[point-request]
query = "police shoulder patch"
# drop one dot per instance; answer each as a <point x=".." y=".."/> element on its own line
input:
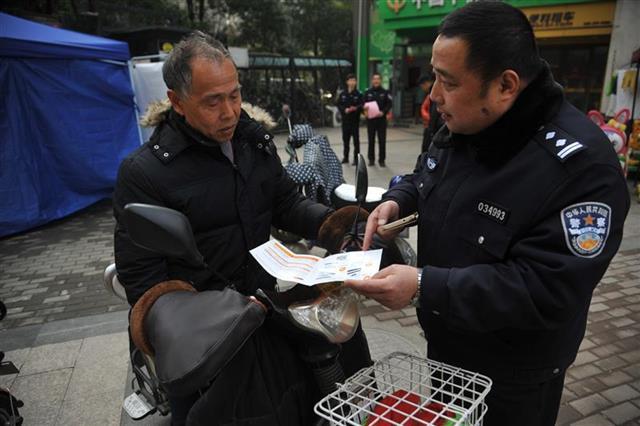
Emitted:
<point x="558" y="142"/>
<point x="586" y="227"/>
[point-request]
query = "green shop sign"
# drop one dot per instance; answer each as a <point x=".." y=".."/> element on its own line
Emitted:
<point x="404" y="14"/>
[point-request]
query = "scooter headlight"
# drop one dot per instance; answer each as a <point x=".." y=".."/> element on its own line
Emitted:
<point x="334" y="314"/>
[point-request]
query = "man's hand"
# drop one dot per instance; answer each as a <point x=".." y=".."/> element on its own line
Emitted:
<point x="380" y="114"/>
<point x="381" y="215"/>
<point x="393" y="286"/>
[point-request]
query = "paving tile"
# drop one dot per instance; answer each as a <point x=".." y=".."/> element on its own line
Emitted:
<point x="619" y="312"/>
<point x="595" y="420"/>
<point x="103" y="360"/>
<point x="611" y="363"/>
<point x="622" y="322"/>
<point x="51" y="357"/>
<point x="620" y="393"/>
<point x="615" y="378"/>
<point x="567" y="395"/>
<point x="598" y="307"/>
<point x="632" y="357"/>
<point x="42" y="395"/>
<point x="584" y="371"/>
<point x="586" y="344"/>
<point x="100" y="409"/>
<point x="586" y="387"/>
<point x="606" y="350"/>
<point x="622" y="413"/>
<point x="589" y="404"/>
<point x="567" y="414"/>
<point x="585" y="357"/>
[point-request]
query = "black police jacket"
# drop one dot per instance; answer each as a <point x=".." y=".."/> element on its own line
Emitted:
<point x="517" y="225"/>
<point x="349" y="99"/>
<point x="231" y="207"/>
<point x="382" y="98"/>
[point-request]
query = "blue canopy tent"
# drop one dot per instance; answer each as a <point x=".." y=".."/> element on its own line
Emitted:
<point x="67" y="120"/>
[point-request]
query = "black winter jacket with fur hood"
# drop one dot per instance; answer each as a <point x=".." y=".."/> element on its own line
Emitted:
<point x="231" y="207"/>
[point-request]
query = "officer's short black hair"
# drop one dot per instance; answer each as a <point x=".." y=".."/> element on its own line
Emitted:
<point x="376" y="73"/>
<point x="498" y="36"/>
<point x="350" y="76"/>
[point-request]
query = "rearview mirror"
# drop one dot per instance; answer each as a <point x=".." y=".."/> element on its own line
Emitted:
<point x="362" y="180"/>
<point x="162" y="230"/>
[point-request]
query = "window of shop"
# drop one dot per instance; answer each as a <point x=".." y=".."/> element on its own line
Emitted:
<point x="580" y="70"/>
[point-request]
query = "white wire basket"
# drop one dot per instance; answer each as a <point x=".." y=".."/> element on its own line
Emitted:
<point x="403" y="389"/>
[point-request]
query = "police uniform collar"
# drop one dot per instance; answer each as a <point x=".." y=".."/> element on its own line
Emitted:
<point x="536" y="105"/>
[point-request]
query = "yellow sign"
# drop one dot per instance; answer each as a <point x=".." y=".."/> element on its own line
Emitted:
<point x="572" y="20"/>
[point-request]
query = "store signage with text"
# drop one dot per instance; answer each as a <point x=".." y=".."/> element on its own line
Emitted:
<point x="589" y="19"/>
<point x="396" y="5"/>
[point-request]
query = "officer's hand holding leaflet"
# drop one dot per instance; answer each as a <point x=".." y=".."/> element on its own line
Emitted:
<point x="385" y="213"/>
<point x="394" y="286"/>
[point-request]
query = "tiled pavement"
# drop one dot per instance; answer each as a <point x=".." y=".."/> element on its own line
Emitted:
<point x="55" y="273"/>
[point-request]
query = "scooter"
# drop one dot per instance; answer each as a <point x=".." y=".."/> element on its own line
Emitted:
<point x="329" y="312"/>
<point x="9" y="404"/>
<point x="340" y="196"/>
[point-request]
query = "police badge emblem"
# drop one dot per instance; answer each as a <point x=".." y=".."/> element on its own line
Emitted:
<point x="586" y="227"/>
<point x="432" y="163"/>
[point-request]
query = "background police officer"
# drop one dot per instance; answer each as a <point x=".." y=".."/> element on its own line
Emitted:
<point x="377" y="124"/>
<point x="350" y="106"/>
<point x="521" y="204"/>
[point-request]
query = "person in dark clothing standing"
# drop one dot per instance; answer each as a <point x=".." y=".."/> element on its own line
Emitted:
<point x="377" y="125"/>
<point x="350" y="106"/>
<point x="521" y="203"/>
<point x="431" y="119"/>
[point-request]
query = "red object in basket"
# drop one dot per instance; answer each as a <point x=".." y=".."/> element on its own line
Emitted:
<point x="400" y="408"/>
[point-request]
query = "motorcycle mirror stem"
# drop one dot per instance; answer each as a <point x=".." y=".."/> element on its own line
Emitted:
<point x="362" y="186"/>
<point x="286" y="112"/>
<point x="164" y="231"/>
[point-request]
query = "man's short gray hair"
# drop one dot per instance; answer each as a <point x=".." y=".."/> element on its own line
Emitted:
<point x="176" y="70"/>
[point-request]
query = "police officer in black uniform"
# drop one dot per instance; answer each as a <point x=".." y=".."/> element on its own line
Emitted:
<point x="521" y="204"/>
<point x="350" y="106"/>
<point x="377" y="124"/>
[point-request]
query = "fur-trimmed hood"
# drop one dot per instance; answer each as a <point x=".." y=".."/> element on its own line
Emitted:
<point x="158" y="111"/>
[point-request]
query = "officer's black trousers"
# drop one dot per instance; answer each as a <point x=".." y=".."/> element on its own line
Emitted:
<point x="351" y="130"/>
<point x="379" y="126"/>
<point x="521" y="404"/>
<point x="524" y="404"/>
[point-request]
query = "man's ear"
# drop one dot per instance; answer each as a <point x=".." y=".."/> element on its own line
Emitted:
<point x="176" y="102"/>
<point x="510" y="85"/>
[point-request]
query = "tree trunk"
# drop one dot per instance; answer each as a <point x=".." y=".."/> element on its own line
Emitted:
<point x="190" y="10"/>
<point x="201" y="11"/>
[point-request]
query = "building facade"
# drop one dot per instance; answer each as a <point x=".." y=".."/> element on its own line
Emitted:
<point x="395" y="37"/>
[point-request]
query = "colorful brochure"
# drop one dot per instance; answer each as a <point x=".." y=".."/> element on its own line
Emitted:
<point x="286" y="265"/>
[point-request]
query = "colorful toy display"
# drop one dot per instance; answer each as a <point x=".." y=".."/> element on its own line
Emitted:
<point x="615" y="130"/>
